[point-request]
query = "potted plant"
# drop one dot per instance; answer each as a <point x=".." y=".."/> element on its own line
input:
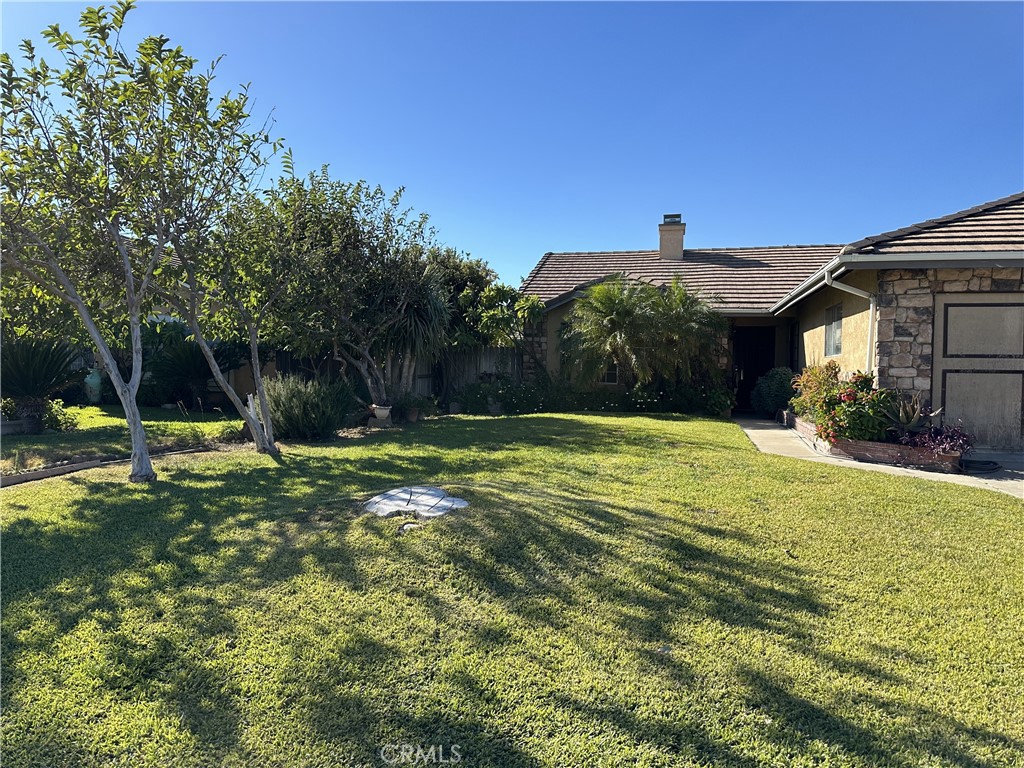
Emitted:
<point x="382" y="410"/>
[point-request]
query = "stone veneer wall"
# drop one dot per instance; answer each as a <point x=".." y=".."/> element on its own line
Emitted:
<point x="906" y="308"/>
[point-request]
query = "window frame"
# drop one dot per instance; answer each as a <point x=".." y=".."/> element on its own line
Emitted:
<point x="834" y="330"/>
<point x="610" y="377"/>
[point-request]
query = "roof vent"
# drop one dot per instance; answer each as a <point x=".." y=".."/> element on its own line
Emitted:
<point x="670" y="235"/>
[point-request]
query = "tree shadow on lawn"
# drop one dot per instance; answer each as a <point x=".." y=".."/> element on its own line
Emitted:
<point x="796" y="720"/>
<point x="521" y="565"/>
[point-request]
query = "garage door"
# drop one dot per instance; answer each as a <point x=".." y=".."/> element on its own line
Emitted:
<point x="978" y="365"/>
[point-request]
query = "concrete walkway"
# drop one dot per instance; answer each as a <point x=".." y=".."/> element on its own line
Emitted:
<point x="769" y="437"/>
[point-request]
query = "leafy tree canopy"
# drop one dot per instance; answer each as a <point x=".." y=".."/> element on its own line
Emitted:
<point x="110" y="160"/>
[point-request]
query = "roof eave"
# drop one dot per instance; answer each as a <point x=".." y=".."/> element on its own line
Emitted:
<point x="744" y="312"/>
<point x="806" y="288"/>
<point x="876" y="260"/>
<point x="847" y="261"/>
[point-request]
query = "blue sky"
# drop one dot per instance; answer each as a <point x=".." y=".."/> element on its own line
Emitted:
<point x="530" y="127"/>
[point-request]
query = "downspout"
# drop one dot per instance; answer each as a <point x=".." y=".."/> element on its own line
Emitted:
<point x="869" y="365"/>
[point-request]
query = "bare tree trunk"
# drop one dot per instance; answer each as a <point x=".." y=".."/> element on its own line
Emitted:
<point x="408" y="372"/>
<point x="257" y="378"/>
<point x="260" y="435"/>
<point x="363" y="362"/>
<point x="389" y="370"/>
<point x="142" y="466"/>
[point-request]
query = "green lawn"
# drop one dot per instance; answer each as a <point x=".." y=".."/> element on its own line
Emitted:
<point x="102" y="433"/>
<point x="622" y="591"/>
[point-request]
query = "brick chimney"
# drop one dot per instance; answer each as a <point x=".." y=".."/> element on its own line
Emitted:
<point x="670" y="233"/>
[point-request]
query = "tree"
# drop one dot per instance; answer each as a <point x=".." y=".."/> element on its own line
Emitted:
<point x="648" y="333"/>
<point x="505" y="314"/>
<point x="615" y="322"/>
<point x="693" y="333"/>
<point x="33" y="369"/>
<point x="464" y="281"/>
<point x="421" y="330"/>
<point x="109" y="160"/>
<point x="27" y="311"/>
<point x="359" y="266"/>
<point x="225" y="286"/>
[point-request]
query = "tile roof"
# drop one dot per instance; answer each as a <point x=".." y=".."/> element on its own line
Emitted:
<point x="751" y="279"/>
<point x="993" y="226"/>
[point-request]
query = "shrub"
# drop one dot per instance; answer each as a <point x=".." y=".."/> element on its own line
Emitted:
<point x="32" y="370"/>
<point x="717" y="401"/>
<point x="58" y="418"/>
<point x="940" y="440"/>
<point x="814" y="388"/>
<point x="859" y="415"/>
<point x="309" y="410"/>
<point x="55" y="415"/>
<point x="773" y="391"/>
<point x="852" y="409"/>
<point x="404" y="403"/>
<point x="557" y="396"/>
<point x="516" y="398"/>
<point x="36" y="368"/>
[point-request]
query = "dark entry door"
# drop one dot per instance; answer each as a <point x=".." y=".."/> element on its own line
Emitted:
<point x="753" y="355"/>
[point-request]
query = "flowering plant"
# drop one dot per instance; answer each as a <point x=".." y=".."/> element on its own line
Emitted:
<point x="856" y="412"/>
<point x="940" y="440"/>
<point x="850" y="409"/>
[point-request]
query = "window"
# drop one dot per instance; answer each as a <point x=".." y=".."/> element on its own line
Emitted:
<point x="834" y="330"/>
<point x="611" y="375"/>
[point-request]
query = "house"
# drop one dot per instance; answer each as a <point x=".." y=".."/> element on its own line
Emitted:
<point x="935" y="308"/>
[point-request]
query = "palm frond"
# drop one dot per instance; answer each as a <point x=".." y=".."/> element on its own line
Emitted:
<point x="36" y="368"/>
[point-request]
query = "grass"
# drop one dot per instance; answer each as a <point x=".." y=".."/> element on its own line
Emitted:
<point x="102" y="433"/>
<point x="636" y="591"/>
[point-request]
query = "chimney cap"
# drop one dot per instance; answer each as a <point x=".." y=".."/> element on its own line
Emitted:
<point x="673" y="218"/>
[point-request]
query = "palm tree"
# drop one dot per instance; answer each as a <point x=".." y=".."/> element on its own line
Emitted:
<point x="649" y="334"/>
<point x="693" y="332"/>
<point x="420" y="331"/>
<point x="615" y="322"/>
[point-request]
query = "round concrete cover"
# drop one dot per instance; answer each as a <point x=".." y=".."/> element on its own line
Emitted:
<point x="423" y="501"/>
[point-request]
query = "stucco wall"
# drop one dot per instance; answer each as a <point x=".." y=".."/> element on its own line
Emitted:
<point x="856" y="324"/>
<point x="554" y="320"/>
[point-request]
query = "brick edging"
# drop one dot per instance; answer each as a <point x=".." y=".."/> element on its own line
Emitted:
<point x="877" y="453"/>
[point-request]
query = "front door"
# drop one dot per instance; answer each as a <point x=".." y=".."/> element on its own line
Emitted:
<point x="753" y="355"/>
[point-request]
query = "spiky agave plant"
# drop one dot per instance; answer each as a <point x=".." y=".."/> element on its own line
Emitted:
<point x="33" y="369"/>
<point x="906" y="414"/>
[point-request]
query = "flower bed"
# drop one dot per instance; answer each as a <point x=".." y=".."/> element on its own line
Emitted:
<point x="881" y="453"/>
